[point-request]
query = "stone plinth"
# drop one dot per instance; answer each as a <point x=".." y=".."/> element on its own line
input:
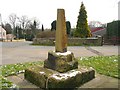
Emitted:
<point x="61" y="68"/>
<point x="61" y="62"/>
<point x="48" y="79"/>
<point x="61" y="35"/>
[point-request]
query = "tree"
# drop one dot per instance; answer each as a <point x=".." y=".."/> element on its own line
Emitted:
<point x="34" y="27"/>
<point x="12" y="19"/>
<point x="42" y="27"/>
<point x="3" y="26"/>
<point x="95" y="24"/>
<point x="8" y="28"/>
<point x="53" y="25"/>
<point x="68" y="27"/>
<point x="34" y="24"/>
<point x="82" y="29"/>
<point x="24" y="22"/>
<point x="20" y="32"/>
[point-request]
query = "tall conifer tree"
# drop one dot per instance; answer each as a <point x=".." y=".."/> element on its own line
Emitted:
<point x="82" y="28"/>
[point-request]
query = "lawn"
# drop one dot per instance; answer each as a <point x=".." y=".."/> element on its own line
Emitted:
<point x="106" y="65"/>
<point x="14" y="69"/>
<point x="6" y="83"/>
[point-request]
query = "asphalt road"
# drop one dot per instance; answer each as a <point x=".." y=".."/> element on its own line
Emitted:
<point x="19" y="52"/>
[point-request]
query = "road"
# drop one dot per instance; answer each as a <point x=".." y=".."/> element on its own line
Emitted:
<point x="19" y="52"/>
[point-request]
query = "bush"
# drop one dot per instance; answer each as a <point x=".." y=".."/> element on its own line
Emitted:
<point x="46" y="34"/>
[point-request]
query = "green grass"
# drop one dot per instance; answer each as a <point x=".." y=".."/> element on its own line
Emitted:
<point x="14" y="69"/>
<point x="6" y="83"/>
<point x="106" y="65"/>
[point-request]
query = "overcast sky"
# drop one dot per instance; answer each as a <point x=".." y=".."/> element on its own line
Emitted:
<point x="46" y="10"/>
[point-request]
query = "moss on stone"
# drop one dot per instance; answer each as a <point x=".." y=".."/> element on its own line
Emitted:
<point x="60" y="63"/>
<point x="38" y="75"/>
<point x="50" y="79"/>
<point x="63" y="66"/>
<point x="88" y="74"/>
<point x="70" y="82"/>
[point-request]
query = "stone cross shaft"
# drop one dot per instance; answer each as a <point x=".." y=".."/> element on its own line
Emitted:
<point x="61" y="35"/>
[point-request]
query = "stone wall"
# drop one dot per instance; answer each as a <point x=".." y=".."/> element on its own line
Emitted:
<point x="94" y="41"/>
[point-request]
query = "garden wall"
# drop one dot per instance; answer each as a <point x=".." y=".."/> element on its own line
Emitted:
<point x="94" y="41"/>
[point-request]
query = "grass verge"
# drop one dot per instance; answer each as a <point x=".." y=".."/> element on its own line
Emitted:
<point x="106" y="65"/>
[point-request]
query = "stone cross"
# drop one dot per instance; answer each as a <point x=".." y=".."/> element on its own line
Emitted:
<point x="61" y="35"/>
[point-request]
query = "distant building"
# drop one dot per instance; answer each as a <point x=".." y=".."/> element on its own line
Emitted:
<point x="96" y="31"/>
<point x="119" y="10"/>
<point x="10" y="37"/>
<point x="2" y="33"/>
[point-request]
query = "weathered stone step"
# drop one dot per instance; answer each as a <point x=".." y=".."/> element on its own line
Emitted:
<point x="100" y="81"/>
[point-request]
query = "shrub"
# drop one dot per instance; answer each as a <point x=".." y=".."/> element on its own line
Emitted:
<point x="46" y="34"/>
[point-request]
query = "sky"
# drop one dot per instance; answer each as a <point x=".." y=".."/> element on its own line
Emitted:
<point x="46" y="10"/>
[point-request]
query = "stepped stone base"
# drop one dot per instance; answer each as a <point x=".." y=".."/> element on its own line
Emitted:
<point x="49" y="79"/>
<point x="61" y="62"/>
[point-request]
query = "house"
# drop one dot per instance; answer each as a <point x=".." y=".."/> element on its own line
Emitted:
<point x="98" y="31"/>
<point x="2" y="33"/>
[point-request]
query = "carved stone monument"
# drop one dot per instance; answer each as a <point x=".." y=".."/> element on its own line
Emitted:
<point x="61" y="35"/>
<point x="61" y="60"/>
<point x="61" y="68"/>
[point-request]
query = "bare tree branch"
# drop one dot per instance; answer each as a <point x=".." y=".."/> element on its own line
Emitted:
<point x="12" y="19"/>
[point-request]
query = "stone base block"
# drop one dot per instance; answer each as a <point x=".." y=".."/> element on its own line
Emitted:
<point x="61" y="62"/>
<point x="47" y="78"/>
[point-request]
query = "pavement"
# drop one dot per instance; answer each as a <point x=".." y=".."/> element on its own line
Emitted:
<point x="20" y="52"/>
